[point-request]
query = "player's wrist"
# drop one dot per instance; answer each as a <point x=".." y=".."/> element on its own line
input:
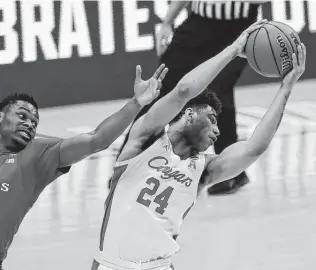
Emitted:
<point x="286" y="86"/>
<point x="233" y="50"/>
<point x="137" y="102"/>
<point x="167" y="23"/>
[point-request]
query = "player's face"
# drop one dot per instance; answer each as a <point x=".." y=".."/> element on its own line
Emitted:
<point x="18" y="125"/>
<point x="204" y="129"/>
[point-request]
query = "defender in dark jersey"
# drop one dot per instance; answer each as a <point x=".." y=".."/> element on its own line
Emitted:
<point x="210" y="27"/>
<point x="28" y="165"/>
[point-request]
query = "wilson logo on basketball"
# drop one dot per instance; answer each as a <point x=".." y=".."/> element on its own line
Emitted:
<point x="159" y="164"/>
<point x="285" y="56"/>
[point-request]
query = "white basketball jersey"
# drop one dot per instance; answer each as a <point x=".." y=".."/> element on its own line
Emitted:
<point x="149" y="198"/>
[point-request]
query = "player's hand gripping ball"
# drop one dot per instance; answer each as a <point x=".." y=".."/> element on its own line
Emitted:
<point x="269" y="49"/>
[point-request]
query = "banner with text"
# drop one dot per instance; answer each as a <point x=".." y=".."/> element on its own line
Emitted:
<point x="73" y="51"/>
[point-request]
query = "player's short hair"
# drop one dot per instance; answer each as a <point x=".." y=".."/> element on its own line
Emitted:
<point x="14" y="98"/>
<point x="201" y="102"/>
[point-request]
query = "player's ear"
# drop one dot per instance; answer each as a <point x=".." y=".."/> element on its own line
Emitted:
<point x="2" y="115"/>
<point x="189" y="114"/>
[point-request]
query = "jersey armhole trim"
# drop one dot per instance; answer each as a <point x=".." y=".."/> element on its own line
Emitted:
<point x="128" y="161"/>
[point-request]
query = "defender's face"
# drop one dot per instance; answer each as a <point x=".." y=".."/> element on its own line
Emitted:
<point x="204" y="129"/>
<point x="18" y="125"/>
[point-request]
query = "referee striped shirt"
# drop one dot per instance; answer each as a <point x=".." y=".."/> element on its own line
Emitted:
<point x="225" y="10"/>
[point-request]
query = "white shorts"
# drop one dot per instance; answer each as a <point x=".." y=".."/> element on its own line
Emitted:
<point x="156" y="265"/>
<point x="102" y="267"/>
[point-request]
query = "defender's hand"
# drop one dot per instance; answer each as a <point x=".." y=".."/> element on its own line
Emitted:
<point x="147" y="91"/>
<point x="298" y="67"/>
<point x="240" y="43"/>
<point x="163" y="38"/>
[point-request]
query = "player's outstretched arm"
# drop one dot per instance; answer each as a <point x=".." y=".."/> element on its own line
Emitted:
<point x="190" y="86"/>
<point x="79" y="147"/>
<point x="239" y="156"/>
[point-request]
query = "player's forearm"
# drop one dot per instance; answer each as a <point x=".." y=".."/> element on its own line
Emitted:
<point x="113" y="126"/>
<point x="200" y="77"/>
<point x="174" y="10"/>
<point x="266" y="129"/>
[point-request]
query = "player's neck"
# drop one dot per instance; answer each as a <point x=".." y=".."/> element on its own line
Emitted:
<point x="179" y="144"/>
<point x="3" y="148"/>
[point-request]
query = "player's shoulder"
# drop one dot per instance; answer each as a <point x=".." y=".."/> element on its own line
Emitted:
<point x="42" y="142"/>
<point x="209" y="158"/>
<point x="39" y="146"/>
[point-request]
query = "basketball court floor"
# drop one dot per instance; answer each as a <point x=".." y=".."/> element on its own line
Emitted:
<point x="270" y="224"/>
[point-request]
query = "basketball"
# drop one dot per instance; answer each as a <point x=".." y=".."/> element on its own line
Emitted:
<point x="269" y="49"/>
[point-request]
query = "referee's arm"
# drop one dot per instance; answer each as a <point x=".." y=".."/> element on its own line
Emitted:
<point x="165" y="33"/>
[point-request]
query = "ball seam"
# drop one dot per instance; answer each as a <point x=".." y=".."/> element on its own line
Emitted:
<point x="288" y="41"/>
<point x="253" y="50"/>
<point x="275" y="61"/>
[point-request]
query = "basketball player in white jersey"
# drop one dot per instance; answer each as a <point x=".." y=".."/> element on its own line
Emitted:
<point x="155" y="184"/>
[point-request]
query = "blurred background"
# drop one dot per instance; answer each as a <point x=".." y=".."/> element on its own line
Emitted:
<point x="78" y="59"/>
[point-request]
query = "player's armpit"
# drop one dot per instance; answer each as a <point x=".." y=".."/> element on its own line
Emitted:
<point x="231" y="162"/>
<point x="74" y="149"/>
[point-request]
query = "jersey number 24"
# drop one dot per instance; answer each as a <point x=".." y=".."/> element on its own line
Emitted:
<point x="161" y="199"/>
